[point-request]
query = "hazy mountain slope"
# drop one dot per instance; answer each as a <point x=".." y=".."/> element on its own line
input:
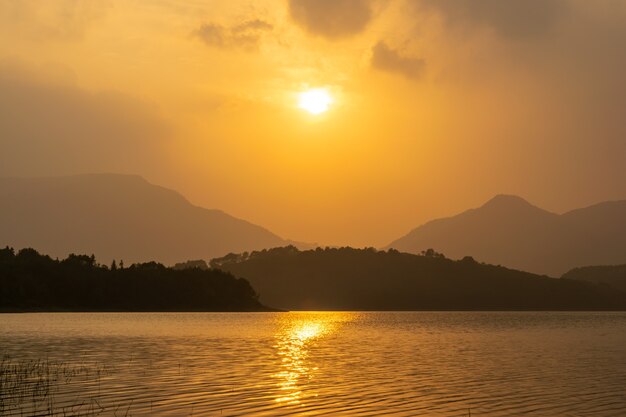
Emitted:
<point x="365" y="279"/>
<point x="118" y="217"/>
<point x="600" y="234"/>
<point x="508" y="230"/>
<point x="613" y="275"/>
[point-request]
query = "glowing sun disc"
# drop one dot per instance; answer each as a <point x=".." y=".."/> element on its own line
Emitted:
<point x="315" y="101"/>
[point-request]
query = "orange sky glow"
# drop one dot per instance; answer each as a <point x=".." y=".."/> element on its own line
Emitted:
<point x="428" y="107"/>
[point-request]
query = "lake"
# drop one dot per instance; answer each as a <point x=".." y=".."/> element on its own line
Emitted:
<point x="317" y="363"/>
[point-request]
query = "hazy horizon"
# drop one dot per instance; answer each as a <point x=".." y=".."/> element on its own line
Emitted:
<point x="117" y="216"/>
<point x="433" y="106"/>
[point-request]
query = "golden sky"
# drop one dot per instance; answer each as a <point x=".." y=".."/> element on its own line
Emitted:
<point x="437" y="105"/>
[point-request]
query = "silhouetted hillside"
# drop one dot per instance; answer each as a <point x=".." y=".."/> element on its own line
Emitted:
<point x="118" y="217"/>
<point x="509" y="231"/>
<point x="30" y="281"/>
<point x="364" y="279"/>
<point x="613" y="275"/>
<point x="200" y="264"/>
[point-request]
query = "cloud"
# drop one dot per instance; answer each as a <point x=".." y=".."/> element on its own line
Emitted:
<point x="49" y="127"/>
<point x="331" y="18"/>
<point x="513" y="19"/>
<point x="387" y="59"/>
<point x="246" y="35"/>
<point x="65" y="20"/>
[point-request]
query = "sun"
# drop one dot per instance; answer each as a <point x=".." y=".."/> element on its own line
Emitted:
<point x="315" y="100"/>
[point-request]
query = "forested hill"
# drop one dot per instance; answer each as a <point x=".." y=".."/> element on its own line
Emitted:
<point x="33" y="282"/>
<point x="366" y="279"/>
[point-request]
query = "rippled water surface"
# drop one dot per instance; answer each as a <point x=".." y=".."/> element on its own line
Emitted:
<point x="235" y="364"/>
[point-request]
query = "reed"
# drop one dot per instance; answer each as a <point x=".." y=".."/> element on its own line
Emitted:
<point x="32" y="387"/>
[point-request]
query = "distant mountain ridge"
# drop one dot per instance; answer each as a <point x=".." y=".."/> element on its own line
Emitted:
<point x="612" y="275"/>
<point x="508" y="230"/>
<point x="119" y="217"/>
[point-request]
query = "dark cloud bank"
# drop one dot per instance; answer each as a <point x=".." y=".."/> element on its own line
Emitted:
<point x="331" y="18"/>
<point x="509" y="18"/>
<point x="387" y="59"/>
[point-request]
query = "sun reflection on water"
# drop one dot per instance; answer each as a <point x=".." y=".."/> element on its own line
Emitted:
<point x="298" y="333"/>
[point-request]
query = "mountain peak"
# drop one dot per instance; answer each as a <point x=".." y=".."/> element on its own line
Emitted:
<point x="507" y="201"/>
<point x="508" y="230"/>
<point x="118" y="216"/>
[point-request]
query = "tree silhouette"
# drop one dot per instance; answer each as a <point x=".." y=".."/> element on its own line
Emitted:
<point x="30" y="281"/>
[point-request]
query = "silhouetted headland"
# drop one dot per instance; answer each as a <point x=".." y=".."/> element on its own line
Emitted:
<point x="366" y="279"/>
<point x="30" y="281"/>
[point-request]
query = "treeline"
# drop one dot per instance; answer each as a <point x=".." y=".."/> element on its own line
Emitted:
<point x="30" y="281"/>
<point x="367" y="279"/>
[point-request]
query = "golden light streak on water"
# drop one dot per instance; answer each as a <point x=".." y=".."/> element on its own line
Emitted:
<point x="298" y="332"/>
